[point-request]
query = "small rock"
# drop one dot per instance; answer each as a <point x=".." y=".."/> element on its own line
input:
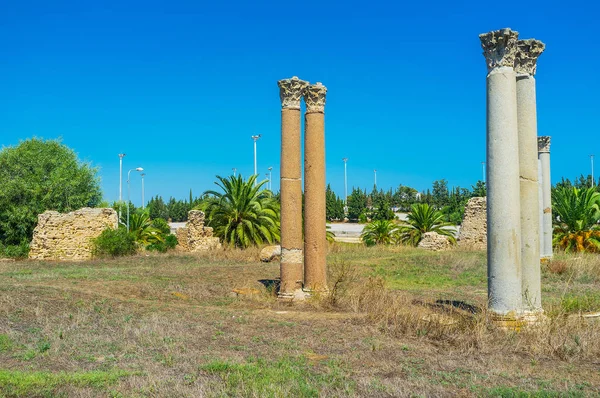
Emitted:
<point x="270" y="253"/>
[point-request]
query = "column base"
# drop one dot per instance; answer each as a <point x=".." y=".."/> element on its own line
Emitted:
<point x="315" y="292"/>
<point x="297" y="295"/>
<point x="515" y="322"/>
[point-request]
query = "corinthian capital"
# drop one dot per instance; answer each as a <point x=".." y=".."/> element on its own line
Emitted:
<point x="291" y="92"/>
<point x="528" y="52"/>
<point x="499" y="48"/>
<point x="314" y="97"/>
<point x="544" y="143"/>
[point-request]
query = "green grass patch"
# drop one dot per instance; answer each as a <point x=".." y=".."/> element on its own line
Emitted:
<point x="515" y="392"/>
<point x="15" y="383"/>
<point x="587" y="302"/>
<point x="6" y="343"/>
<point x="285" y="377"/>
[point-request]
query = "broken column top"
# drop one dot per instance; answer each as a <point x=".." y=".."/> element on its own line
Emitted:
<point x="527" y="54"/>
<point x="499" y="48"/>
<point x="291" y="92"/>
<point x="314" y="96"/>
<point x="544" y="143"/>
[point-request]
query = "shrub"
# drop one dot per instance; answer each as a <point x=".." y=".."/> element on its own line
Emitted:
<point x="171" y="241"/>
<point x="15" y="251"/>
<point x="162" y="225"/>
<point x="114" y="243"/>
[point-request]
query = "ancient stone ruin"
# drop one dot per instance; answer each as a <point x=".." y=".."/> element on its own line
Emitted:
<point x="434" y="241"/>
<point x="195" y="237"/>
<point x="473" y="230"/>
<point x="69" y="236"/>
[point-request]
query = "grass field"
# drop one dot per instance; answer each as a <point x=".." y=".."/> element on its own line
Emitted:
<point x="401" y="322"/>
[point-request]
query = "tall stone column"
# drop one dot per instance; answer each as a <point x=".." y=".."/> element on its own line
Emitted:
<point x="503" y="202"/>
<point x="291" y="92"/>
<point x="528" y="52"/>
<point x="315" y="239"/>
<point x="544" y="156"/>
<point x="540" y="206"/>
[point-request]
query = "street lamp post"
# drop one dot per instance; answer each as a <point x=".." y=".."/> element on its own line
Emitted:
<point x="129" y="191"/>
<point x="270" y="179"/>
<point x="593" y="181"/>
<point x="234" y="170"/>
<point x="483" y="171"/>
<point x="121" y="156"/>
<point x="143" y="202"/>
<point x="255" y="138"/>
<point x="345" y="181"/>
<point x="375" y="172"/>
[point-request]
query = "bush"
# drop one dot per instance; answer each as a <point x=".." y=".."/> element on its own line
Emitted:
<point x="162" y="225"/>
<point x="169" y="243"/>
<point x="15" y="251"/>
<point x="114" y="243"/>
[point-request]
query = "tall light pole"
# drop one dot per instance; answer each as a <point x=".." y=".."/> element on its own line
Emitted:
<point x="234" y="170"/>
<point x="593" y="181"/>
<point x="255" y="138"/>
<point x="121" y="156"/>
<point x="143" y="202"/>
<point x="129" y="191"/>
<point x="270" y="179"/>
<point x="375" y="172"/>
<point x="483" y="171"/>
<point x="345" y="181"/>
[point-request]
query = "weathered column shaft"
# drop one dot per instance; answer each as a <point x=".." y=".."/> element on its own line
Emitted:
<point x="525" y="65"/>
<point x="503" y="203"/>
<point x="544" y="156"/>
<point x="291" y="272"/>
<point x="315" y="239"/>
<point x="540" y="207"/>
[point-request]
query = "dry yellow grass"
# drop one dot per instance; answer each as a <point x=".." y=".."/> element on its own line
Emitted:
<point x="174" y="326"/>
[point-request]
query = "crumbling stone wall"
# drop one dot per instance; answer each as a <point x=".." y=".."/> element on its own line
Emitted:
<point x="434" y="241"/>
<point x="473" y="231"/>
<point x="69" y="236"/>
<point x="195" y="237"/>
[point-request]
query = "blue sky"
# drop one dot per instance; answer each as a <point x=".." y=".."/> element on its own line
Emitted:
<point x="181" y="86"/>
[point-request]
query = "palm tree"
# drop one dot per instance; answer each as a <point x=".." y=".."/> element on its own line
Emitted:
<point x="144" y="232"/>
<point x="243" y="214"/>
<point x="380" y="232"/>
<point x="576" y="214"/>
<point x="424" y="218"/>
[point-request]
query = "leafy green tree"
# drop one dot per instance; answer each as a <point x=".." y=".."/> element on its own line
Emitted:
<point x="157" y="208"/>
<point x="404" y="197"/>
<point x="424" y="218"/>
<point x="479" y="189"/>
<point x="576" y="214"/>
<point x="334" y="205"/>
<point x="39" y="175"/>
<point x="243" y="214"/>
<point x="440" y="194"/>
<point x="380" y="232"/>
<point x="357" y="204"/>
<point x="383" y="209"/>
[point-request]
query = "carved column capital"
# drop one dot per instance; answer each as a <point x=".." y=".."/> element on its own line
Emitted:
<point x="291" y="92"/>
<point x="528" y="52"/>
<point x="314" y="97"/>
<point x="499" y="48"/>
<point x="544" y="144"/>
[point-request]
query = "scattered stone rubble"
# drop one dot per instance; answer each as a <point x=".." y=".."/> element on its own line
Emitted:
<point x="434" y="241"/>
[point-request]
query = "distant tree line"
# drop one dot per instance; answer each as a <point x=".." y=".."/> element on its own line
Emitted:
<point x="381" y="205"/>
